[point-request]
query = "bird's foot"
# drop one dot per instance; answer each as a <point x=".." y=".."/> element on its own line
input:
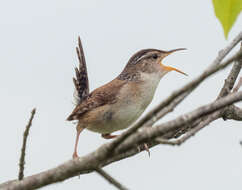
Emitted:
<point x="108" y="136"/>
<point x="75" y="155"/>
<point x="144" y="147"/>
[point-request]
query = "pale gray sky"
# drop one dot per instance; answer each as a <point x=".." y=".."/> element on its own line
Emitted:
<point x="37" y="45"/>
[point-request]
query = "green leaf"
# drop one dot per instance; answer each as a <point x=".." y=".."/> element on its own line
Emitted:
<point x="227" y="11"/>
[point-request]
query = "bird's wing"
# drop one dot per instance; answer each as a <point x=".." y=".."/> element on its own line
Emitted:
<point x="81" y="81"/>
<point x="104" y="95"/>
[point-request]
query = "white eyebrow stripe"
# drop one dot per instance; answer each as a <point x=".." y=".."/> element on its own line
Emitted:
<point x="140" y="58"/>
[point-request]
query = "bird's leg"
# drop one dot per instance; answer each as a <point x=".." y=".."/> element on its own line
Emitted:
<point x="144" y="147"/>
<point x="75" y="155"/>
<point x="108" y="136"/>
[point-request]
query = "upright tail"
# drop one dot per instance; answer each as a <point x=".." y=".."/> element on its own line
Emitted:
<point x="81" y="81"/>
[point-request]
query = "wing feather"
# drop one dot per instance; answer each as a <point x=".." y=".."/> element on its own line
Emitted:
<point x="104" y="95"/>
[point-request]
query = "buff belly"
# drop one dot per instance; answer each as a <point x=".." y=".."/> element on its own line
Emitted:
<point x="109" y="120"/>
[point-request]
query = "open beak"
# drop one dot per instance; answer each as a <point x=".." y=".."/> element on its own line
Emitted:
<point x="168" y="68"/>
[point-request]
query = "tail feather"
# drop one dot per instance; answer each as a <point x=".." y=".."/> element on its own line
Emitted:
<point x="81" y="82"/>
<point x="70" y="118"/>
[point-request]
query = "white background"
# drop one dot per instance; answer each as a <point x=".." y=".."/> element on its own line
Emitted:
<point x="37" y="59"/>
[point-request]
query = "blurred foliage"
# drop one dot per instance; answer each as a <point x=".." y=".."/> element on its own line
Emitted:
<point x="227" y="11"/>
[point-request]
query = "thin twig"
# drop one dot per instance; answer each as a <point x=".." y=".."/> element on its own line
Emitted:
<point x="232" y="112"/>
<point x="169" y="108"/>
<point x="192" y="132"/>
<point x="110" y="179"/>
<point x="25" y="136"/>
<point x="230" y="80"/>
<point x="222" y="53"/>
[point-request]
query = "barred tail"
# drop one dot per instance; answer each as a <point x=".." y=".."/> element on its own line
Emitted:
<point x="81" y="81"/>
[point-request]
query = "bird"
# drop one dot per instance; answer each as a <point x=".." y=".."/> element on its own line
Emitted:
<point x="119" y="103"/>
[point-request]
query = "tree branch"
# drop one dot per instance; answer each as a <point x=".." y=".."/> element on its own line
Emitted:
<point x="239" y="83"/>
<point x="192" y="132"/>
<point x="230" y="81"/>
<point x="25" y="136"/>
<point x="100" y="157"/>
<point x="110" y="179"/>
<point x="233" y="112"/>
<point x="222" y="53"/>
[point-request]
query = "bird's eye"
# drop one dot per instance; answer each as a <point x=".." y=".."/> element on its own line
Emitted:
<point x="155" y="56"/>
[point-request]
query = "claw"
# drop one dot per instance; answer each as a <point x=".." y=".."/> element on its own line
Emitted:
<point x="138" y="148"/>
<point x="147" y="149"/>
<point x="144" y="147"/>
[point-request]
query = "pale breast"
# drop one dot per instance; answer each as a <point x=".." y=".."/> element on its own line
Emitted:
<point x="132" y="102"/>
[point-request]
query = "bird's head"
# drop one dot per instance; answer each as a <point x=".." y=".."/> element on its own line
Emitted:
<point x="150" y="61"/>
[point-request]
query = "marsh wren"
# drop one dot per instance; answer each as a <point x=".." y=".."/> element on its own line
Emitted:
<point x="117" y="104"/>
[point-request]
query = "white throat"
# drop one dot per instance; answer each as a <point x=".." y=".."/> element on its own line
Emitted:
<point x="149" y="84"/>
<point x="151" y="80"/>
